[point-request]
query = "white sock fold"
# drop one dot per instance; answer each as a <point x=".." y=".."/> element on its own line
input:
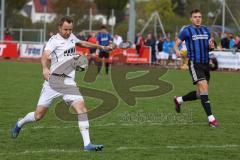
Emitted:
<point x="83" y="124"/>
<point x="28" y="118"/>
<point x="180" y="100"/>
<point x="211" y="118"/>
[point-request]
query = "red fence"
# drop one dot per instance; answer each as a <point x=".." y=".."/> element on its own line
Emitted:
<point x="118" y="55"/>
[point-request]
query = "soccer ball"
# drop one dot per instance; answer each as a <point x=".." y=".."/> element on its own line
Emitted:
<point x="80" y="63"/>
<point x="183" y="53"/>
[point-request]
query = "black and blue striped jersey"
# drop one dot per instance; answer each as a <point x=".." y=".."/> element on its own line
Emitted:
<point x="197" y="43"/>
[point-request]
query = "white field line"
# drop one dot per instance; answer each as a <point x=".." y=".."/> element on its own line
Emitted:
<point x="41" y="151"/>
<point x="203" y="146"/>
<point x="123" y="148"/>
<point x="130" y="124"/>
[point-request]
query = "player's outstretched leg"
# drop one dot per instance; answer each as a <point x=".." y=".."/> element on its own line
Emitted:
<point x="18" y="125"/>
<point x="83" y="124"/>
<point x="15" y="130"/>
<point x="30" y="117"/>
<point x="191" y="96"/>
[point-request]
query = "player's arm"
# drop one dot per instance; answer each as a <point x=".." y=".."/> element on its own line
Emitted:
<point x="211" y="44"/>
<point x="45" y="61"/>
<point x="176" y="47"/>
<point x="91" y="45"/>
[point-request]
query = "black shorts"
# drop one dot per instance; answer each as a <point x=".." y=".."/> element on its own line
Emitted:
<point x="103" y="54"/>
<point x="92" y="50"/>
<point x="199" y="71"/>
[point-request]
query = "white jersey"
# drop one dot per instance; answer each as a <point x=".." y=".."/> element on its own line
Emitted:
<point x="62" y="50"/>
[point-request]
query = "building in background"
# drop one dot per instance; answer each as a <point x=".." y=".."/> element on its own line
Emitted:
<point x="35" y="11"/>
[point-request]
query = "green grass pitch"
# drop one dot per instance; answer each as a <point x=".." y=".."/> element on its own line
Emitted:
<point x="151" y="130"/>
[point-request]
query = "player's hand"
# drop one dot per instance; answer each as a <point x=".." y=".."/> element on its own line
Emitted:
<point x="46" y="74"/>
<point x="178" y="54"/>
<point x="108" y="47"/>
<point x="211" y="44"/>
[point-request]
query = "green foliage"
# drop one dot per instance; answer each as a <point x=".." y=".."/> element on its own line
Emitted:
<point x="179" y="7"/>
<point x="105" y="7"/>
<point x="77" y="8"/>
<point x="11" y="10"/>
<point x="163" y="7"/>
<point x="122" y="29"/>
<point x="113" y="4"/>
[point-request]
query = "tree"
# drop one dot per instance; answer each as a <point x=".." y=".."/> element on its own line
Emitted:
<point x="163" y="7"/>
<point x="79" y="11"/>
<point x="179" y="7"/>
<point x="105" y="7"/>
<point x="11" y="10"/>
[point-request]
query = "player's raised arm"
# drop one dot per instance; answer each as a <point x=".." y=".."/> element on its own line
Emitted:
<point x="176" y="47"/>
<point x="45" y="64"/>
<point x="88" y="45"/>
<point x="92" y="45"/>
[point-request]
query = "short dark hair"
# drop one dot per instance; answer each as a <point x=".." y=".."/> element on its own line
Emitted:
<point x="194" y="11"/>
<point x="103" y="27"/>
<point x="65" y="19"/>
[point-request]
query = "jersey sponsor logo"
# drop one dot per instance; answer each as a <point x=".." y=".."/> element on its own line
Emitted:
<point x="70" y="52"/>
<point x="201" y="36"/>
<point x="104" y="39"/>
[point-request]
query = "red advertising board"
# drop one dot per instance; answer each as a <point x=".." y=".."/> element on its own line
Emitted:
<point x="130" y="55"/>
<point x="9" y="50"/>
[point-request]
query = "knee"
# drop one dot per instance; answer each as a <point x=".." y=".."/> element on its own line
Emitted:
<point x="79" y="107"/>
<point x="38" y="116"/>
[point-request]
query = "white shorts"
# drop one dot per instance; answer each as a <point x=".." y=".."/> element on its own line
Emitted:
<point x="48" y="95"/>
<point x="174" y="57"/>
<point x="163" y="55"/>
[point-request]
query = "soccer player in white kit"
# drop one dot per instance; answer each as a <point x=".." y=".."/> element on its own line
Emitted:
<point x="59" y="50"/>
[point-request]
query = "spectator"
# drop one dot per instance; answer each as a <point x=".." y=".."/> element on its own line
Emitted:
<point x="173" y="56"/>
<point x="139" y="42"/>
<point x="159" y="44"/>
<point x="237" y="40"/>
<point x="225" y="42"/>
<point x="159" y="48"/>
<point x="214" y="41"/>
<point x="93" y="39"/>
<point x="164" y="55"/>
<point x="117" y="40"/>
<point x="231" y="41"/>
<point x="150" y="41"/>
<point x="7" y="35"/>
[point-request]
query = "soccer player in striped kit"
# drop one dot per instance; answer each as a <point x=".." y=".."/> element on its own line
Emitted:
<point x="198" y="42"/>
<point x="104" y="39"/>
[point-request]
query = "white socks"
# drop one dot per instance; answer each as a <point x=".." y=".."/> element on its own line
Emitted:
<point x="84" y="128"/>
<point x="82" y="123"/>
<point x="211" y="118"/>
<point x="28" y="118"/>
<point x="180" y="100"/>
